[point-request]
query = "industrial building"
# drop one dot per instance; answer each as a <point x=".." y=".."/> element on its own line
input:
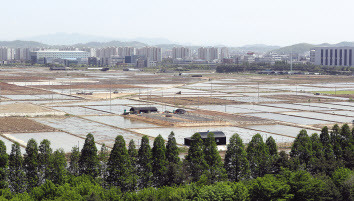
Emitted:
<point x="332" y="56"/>
<point x="49" y="56"/>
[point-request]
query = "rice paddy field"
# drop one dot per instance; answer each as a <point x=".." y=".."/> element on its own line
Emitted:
<point x="48" y="105"/>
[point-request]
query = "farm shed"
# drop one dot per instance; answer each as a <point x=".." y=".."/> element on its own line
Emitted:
<point x="220" y="137"/>
<point x="137" y="110"/>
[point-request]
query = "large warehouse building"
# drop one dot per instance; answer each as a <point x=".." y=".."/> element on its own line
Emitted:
<point x="45" y="56"/>
<point x="333" y="56"/>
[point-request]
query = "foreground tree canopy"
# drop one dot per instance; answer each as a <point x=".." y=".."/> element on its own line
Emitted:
<point x="319" y="167"/>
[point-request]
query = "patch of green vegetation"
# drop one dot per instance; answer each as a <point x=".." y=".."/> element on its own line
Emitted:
<point x="335" y="92"/>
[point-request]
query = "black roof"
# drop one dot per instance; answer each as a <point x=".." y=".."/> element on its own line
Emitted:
<point x="143" y="108"/>
<point x="205" y="134"/>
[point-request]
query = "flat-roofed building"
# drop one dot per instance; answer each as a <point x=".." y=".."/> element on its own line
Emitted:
<point x="57" y="54"/>
<point x="333" y="56"/>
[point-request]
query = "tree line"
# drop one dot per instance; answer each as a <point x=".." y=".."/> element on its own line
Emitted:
<point x="283" y="66"/>
<point x="318" y="167"/>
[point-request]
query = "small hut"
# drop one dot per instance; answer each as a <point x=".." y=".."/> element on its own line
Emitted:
<point x="137" y="110"/>
<point x="220" y="137"/>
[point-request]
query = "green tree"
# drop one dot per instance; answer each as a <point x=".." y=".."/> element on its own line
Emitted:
<point x="119" y="169"/>
<point x="172" y="149"/>
<point x="58" y="167"/>
<point x="272" y="146"/>
<point x="88" y="162"/>
<point x="258" y="156"/>
<point x="133" y="154"/>
<point x="4" y="162"/>
<point x="336" y="140"/>
<point x="213" y="159"/>
<point x="195" y="160"/>
<point x="324" y="136"/>
<point x="103" y="158"/>
<point x="302" y="148"/>
<point x="74" y="161"/>
<point x="17" y="177"/>
<point x="159" y="162"/>
<point x="269" y="188"/>
<point x="31" y="164"/>
<point x="44" y="158"/>
<point x="343" y="178"/>
<point x="236" y="163"/>
<point x="144" y="163"/>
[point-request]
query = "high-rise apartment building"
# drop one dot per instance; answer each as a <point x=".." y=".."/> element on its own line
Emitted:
<point x="333" y="56"/>
<point x="126" y="51"/>
<point x="151" y="53"/>
<point x="7" y="54"/>
<point x="224" y="53"/>
<point x="180" y="53"/>
<point x="208" y="54"/>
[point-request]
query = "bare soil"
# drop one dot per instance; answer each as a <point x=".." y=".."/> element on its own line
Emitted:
<point x="11" y="89"/>
<point x="88" y="86"/>
<point x="22" y="125"/>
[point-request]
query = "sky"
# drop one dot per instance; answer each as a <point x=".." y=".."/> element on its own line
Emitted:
<point x="197" y="22"/>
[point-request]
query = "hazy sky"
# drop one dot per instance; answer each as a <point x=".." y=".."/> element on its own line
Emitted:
<point x="228" y="22"/>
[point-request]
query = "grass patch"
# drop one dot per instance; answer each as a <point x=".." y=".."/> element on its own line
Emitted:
<point x="335" y="92"/>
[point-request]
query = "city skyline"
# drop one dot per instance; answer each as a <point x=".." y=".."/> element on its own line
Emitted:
<point x="196" y="22"/>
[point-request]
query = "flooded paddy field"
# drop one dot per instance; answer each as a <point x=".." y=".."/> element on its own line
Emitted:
<point x="282" y="129"/>
<point x="278" y="106"/>
<point x="58" y="140"/>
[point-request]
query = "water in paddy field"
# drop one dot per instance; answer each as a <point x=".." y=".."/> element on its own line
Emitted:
<point x="282" y="129"/>
<point x="328" y="117"/>
<point x="121" y="122"/>
<point x="8" y="145"/>
<point x="341" y="112"/>
<point x="298" y="107"/>
<point x="79" y="111"/>
<point x="58" y="139"/>
<point x="102" y="133"/>
<point x="181" y="133"/>
<point x="290" y="119"/>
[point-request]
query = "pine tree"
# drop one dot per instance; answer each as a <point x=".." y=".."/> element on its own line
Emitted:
<point x="236" y="163"/>
<point x="120" y="171"/>
<point x="258" y="156"/>
<point x="31" y="164"/>
<point x="324" y="136"/>
<point x="272" y="146"/>
<point x="58" y="167"/>
<point x="103" y="158"/>
<point x="4" y="162"/>
<point x="174" y="168"/>
<point x="17" y="177"/>
<point x="302" y="148"/>
<point x="317" y="146"/>
<point x="347" y="146"/>
<point x="336" y="140"/>
<point x="195" y="160"/>
<point x="88" y="162"/>
<point x="133" y="155"/>
<point x="44" y="158"/>
<point x="172" y="149"/>
<point x="159" y="162"/>
<point x="144" y="163"/>
<point x="213" y="159"/>
<point x="74" y="161"/>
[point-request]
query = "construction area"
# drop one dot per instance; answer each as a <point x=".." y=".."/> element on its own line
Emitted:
<point x="65" y="106"/>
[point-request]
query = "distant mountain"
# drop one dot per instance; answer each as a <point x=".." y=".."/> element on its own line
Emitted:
<point x="111" y="44"/>
<point x="302" y="48"/>
<point x="21" y="44"/>
<point x="67" y="38"/>
<point x="258" y="48"/>
<point x="76" y="38"/>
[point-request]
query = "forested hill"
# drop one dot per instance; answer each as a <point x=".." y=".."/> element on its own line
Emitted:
<point x="319" y="167"/>
<point x="301" y="48"/>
